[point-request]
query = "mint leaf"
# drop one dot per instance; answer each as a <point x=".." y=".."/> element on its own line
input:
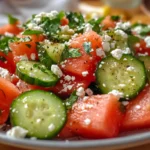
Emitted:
<point x="11" y="19"/>
<point x="74" y="52"/>
<point x="75" y="19"/>
<point x="132" y="40"/>
<point x="145" y="29"/>
<point x="31" y="32"/>
<point x="115" y="18"/>
<point x="87" y="47"/>
<point x="71" y="100"/>
<point x="70" y="53"/>
<point x="4" y="43"/>
<point x="96" y="24"/>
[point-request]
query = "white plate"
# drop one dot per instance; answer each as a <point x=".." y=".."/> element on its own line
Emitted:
<point x="124" y="141"/>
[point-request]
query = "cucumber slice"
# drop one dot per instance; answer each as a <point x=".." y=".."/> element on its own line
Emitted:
<point x="42" y="113"/>
<point x="35" y="73"/>
<point x="50" y="53"/>
<point x="146" y="60"/>
<point x="127" y="75"/>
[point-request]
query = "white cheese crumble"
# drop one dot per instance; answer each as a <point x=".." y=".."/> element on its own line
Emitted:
<point x="138" y="107"/>
<point x="147" y="41"/>
<point x="80" y="92"/>
<point x="85" y="73"/>
<point x="127" y="51"/>
<point x="125" y="103"/>
<point x="66" y="30"/>
<point x="117" y="93"/>
<point x="130" y="68"/>
<point x="68" y="78"/>
<point x="106" y="46"/>
<point x="33" y="56"/>
<point x="100" y="52"/>
<point x="4" y="73"/>
<point x="117" y="53"/>
<point x="87" y="121"/>
<point x="145" y="54"/>
<point x="106" y="38"/>
<point x="124" y="26"/>
<point x="50" y="15"/>
<point x="56" y="70"/>
<point x="88" y="27"/>
<point x="113" y="44"/>
<point x="17" y="132"/>
<point x="34" y="26"/>
<point x="51" y="127"/>
<point x="9" y="34"/>
<point x="23" y="57"/>
<point x="121" y="33"/>
<point x="137" y="29"/>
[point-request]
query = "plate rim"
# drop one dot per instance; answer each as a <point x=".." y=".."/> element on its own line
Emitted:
<point x="124" y="141"/>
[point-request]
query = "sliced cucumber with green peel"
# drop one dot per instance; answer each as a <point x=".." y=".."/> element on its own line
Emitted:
<point x="42" y="113"/>
<point x="146" y="60"/>
<point x="35" y="73"/>
<point x="50" y="53"/>
<point x="127" y="75"/>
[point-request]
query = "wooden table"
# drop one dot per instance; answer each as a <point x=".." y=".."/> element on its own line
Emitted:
<point x="144" y="147"/>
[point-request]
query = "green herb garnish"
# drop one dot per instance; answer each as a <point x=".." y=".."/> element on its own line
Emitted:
<point x="4" y="43"/>
<point x="71" y="100"/>
<point x="96" y="24"/>
<point x="115" y="18"/>
<point x="11" y="19"/>
<point x="70" y="53"/>
<point x="75" y="19"/>
<point x="31" y="32"/>
<point x="87" y="47"/>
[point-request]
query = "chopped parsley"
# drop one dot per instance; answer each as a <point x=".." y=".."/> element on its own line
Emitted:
<point x="132" y="40"/>
<point x="31" y="32"/>
<point x="75" y="19"/>
<point x="115" y="18"/>
<point x="4" y="43"/>
<point x="71" y="100"/>
<point x="11" y="19"/>
<point x="96" y="24"/>
<point x="145" y="29"/>
<point x="87" y="47"/>
<point x="70" y="53"/>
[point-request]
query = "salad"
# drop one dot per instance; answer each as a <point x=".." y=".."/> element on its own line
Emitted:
<point x="62" y="76"/>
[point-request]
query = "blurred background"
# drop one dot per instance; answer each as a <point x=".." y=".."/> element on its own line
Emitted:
<point x="133" y="10"/>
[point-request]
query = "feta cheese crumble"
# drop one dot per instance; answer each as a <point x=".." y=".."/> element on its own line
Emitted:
<point x="100" y="52"/>
<point x="106" y="38"/>
<point x="130" y="68"/>
<point x="4" y="73"/>
<point x="85" y="73"/>
<point x="80" y="92"/>
<point x="117" y="93"/>
<point x="117" y="53"/>
<point x="121" y="33"/>
<point x="123" y="25"/>
<point x="87" y="121"/>
<point x="17" y="132"/>
<point x="147" y="41"/>
<point x="56" y="70"/>
<point x="51" y="127"/>
<point x="88" y="27"/>
<point x="106" y="46"/>
<point x="66" y="29"/>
